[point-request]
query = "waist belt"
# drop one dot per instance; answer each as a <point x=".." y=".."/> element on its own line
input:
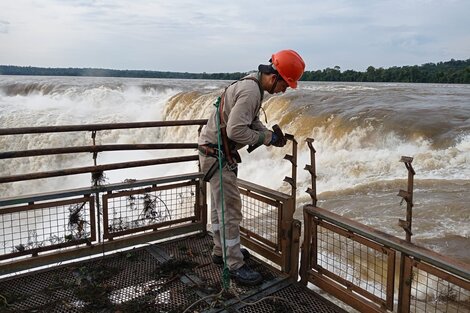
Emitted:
<point x="212" y="151"/>
<point x="209" y="150"/>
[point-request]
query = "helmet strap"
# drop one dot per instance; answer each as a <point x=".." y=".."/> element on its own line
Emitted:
<point x="274" y="85"/>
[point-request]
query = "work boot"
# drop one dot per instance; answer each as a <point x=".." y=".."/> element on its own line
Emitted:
<point x="218" y="259"/>
<point x="246" y="276"/>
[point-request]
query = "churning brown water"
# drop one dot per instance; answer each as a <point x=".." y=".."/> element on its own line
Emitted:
<point x="360" y="129"/>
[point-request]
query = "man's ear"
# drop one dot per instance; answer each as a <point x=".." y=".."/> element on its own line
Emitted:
<point x="272" y="78"/>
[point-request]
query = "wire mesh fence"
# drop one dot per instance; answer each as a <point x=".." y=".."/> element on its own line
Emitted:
<point x="434" y="290"/>
<point x="355" y="262"/>
<point x="29" y="229"/>
<point x="261" y="219"/>
<point x="149" y="208"/>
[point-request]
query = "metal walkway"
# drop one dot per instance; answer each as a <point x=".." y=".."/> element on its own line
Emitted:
<point x="166" y="277"/>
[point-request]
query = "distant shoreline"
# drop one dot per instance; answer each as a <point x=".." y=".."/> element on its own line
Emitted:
<point x="450" y="72"/>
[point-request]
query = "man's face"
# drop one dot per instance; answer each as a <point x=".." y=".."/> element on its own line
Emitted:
<point x="280" y="85"/>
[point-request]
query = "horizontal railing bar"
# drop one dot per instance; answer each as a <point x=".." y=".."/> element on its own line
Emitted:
<point x="263" y="250"/>
<point x="107" y="246"/>
<point x="101" y="148"/>
<point x="248" y="193"/>
<point x="34" y="251"/>
<point x="344" y="294"/>
<point x="429" y="256"/>
<point x="129" y="192"/>
<point x="105" y="188"/>
<point x="261" y="239"/>
<point x="344" y="233"/>
<point x="441" y="274"/>
<point x="96" y="127"/>
<point x="97" y="168"/>
<point x="44" y="205"/>
<point x="171" y="223"/>
<point x="273" y="194"/>
<point x="350" y="285"/>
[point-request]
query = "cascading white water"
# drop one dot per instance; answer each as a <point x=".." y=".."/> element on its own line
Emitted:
<point x="360" y="132"/>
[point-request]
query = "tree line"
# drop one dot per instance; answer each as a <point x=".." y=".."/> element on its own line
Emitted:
<point x="98" y="72"/>
<point x="453" y="72"/>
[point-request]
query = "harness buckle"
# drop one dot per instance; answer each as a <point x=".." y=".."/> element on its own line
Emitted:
<point x="231" y="166"/>
<point x="217" y="151"/>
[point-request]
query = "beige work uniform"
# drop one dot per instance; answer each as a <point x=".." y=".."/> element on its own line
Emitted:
<point x="241" y="108"/>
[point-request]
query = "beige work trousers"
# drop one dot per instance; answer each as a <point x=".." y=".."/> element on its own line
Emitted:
<point x="233" y="213"/>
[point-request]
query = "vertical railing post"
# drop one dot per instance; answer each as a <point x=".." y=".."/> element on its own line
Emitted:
<point x="95" y="181"/>
<point x="406" y="280"/>
<point x="306" y="255"/>
<point x="308" y="252"/>
<point x="202" y="193"/>
<point x="201" y="203"/>
<point x="408" y="197"/>
<point x="287" y="214"/>
<point x="292" y="181"/>
<point x="294" y="249"/>
<point x="406" y="270"/>
<point x="312" y="170"/>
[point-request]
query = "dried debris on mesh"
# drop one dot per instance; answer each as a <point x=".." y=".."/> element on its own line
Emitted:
<point x="92" y="287"/>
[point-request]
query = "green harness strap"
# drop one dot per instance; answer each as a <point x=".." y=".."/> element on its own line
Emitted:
<point x="225" y="273"/>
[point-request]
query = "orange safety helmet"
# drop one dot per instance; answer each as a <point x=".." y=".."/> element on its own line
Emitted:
<point x="289" y="65"/>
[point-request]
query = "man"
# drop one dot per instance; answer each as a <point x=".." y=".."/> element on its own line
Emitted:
<point x="239" y="126"/>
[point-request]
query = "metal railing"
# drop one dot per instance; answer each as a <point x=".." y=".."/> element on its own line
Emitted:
<point x="42" y="229"/>
<point x="58" y="226"/>
<point x="34" y="228"/>
<point x="268" y="226"/>
<point x="357" y="264"/>
<point x="95" y="149"/>
<point x="353" y="262"/>
<point x="347" y="264"/>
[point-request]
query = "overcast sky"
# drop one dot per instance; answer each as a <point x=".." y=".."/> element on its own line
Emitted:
<point x="228" y="36"/>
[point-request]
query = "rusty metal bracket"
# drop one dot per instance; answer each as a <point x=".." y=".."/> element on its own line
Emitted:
<point x="405" y="195"/>
<point x="311" y="168"/>
<point x="406" y="226"/>
<point x="312" y="193"/>
<point x="290" y="181"/>
<point x="292" y="158"/>
<point x="289" y="158"/>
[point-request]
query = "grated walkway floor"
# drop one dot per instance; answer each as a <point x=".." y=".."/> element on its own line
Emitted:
<point x="175" y="276"/>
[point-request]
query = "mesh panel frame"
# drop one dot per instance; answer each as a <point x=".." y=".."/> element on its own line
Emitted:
<point x="434" y="290"/>
<point x="136" y="210"/>
<point x="46" y="226"/>
<point x="261" y="220"/>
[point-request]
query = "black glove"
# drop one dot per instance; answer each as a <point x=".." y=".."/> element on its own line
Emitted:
<point x="277" y="140"/>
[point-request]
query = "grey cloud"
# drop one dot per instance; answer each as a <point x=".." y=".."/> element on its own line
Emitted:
<point x="405" y="36"/>
<point x="4" y="27"/>
<point x="231" y="36"/>
<point x="87" y="3"/>
<point x="412" y="41"/>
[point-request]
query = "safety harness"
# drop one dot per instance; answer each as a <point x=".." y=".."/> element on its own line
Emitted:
<point x="230" y="155"/>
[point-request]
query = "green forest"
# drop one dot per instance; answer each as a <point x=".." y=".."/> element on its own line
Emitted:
<point x="450" y="72"/>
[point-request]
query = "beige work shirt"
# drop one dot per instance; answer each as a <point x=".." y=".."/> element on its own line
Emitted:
<point x="241" y="108"/>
